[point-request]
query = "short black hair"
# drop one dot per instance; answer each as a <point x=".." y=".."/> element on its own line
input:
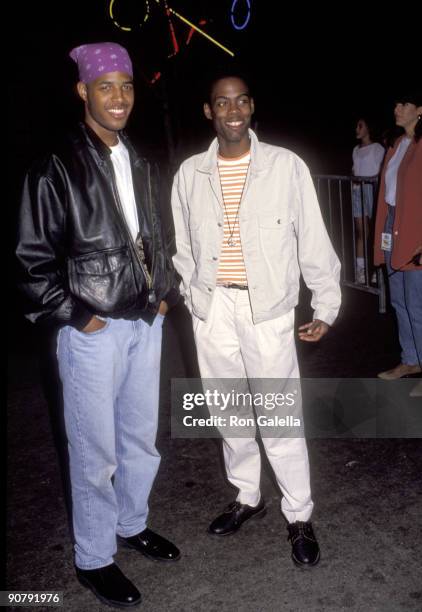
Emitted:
<point x="225" y="72"/>
<point x="412" y="97"/>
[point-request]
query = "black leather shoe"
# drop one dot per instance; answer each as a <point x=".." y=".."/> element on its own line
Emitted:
<point x="234" y="516"/>
<point x="110" y="585"/>
<point x="152" y="545"/>
<point x="305" y="549"/>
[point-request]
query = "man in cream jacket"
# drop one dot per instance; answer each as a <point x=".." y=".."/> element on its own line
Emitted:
<point x="247" y="224"/>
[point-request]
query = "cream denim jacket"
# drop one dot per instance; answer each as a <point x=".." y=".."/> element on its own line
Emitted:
<point x="281" y="229"/>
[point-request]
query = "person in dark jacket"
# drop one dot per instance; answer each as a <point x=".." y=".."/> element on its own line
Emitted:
<point x="94" y="263"/>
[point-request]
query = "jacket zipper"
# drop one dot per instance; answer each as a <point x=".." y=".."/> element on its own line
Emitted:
<point x="152" y="224"/>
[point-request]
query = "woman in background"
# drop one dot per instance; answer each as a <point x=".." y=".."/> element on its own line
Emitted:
<point x="398" y="232"/>
<point x="367" y="160"/>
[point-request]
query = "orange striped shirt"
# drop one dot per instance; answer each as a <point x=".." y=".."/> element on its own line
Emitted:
<point x="233" y="173"/>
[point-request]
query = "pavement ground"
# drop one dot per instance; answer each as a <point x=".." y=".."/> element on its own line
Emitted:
<point x="367" y="495"/>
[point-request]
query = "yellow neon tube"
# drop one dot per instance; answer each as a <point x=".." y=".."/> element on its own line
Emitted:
<point x="201" y="31"/>
<point x="125" y="28"/>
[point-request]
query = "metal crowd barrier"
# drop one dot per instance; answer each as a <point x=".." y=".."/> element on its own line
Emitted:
<point x="336" y="201"/>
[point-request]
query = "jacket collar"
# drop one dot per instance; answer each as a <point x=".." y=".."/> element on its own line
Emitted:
<point x="394" y="148"/>
<point x="104" y="151"/>
<point x="91" y="139"/>
<point x="259" y="159"/>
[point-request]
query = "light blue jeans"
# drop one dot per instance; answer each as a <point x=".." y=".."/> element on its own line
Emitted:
<point x="111" y="391"/>
<point x="406" y="299"/>
<point x="363" y="199"/>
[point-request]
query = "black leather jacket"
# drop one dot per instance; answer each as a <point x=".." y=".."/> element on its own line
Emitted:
<point x="75" y="252"/>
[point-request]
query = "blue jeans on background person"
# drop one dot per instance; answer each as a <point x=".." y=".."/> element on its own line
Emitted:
<point x="406" y="299"/>
<point x="111" y="392"/>
<point x="363" y="199"/>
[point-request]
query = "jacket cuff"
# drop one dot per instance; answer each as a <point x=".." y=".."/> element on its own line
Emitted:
<point x="172" y="297"/>
<point x="78" y="315"/>
<point x="328" y="316"/>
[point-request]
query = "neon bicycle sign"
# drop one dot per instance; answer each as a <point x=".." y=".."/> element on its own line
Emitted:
<point x="169" y="12"/>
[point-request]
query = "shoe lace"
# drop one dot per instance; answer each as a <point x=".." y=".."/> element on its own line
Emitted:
<point x="299" y="529"/>
<point x="233" y="507"/>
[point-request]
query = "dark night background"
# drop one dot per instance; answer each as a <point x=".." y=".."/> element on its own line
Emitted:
<point x="314" y="69"/>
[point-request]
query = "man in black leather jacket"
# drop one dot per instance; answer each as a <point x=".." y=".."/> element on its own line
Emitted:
<point x="93" y="262"/>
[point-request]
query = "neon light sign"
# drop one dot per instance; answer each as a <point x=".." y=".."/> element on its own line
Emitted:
<point x="128" y="28"/>
<point x="168" y="11"/>
<point x="247" y="18"/>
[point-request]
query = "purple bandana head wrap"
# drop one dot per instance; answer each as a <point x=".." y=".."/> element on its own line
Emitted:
<point x="99" y="58"/>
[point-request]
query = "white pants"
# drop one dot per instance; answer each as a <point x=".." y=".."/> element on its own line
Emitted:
<point x="230" y="345"/>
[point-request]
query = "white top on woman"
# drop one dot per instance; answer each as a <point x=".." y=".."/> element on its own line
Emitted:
<point x="367" y="159"/>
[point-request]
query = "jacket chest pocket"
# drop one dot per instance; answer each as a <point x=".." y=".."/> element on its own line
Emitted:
<point x="275" y="233"/>
<point x="196" y="222"/>
<point x="104" y="280"/>
<point x="198" y="231"/>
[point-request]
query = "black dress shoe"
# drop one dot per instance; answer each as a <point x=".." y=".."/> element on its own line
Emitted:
<point x="234" y="516"/>
<point x="152" y="545"/>
<point x="305" y="549"/>
<point x="110" y="585"/>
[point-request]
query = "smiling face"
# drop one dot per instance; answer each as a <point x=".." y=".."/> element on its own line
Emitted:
<point x="230" y="109"/>
<point x="108" y="104"/>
